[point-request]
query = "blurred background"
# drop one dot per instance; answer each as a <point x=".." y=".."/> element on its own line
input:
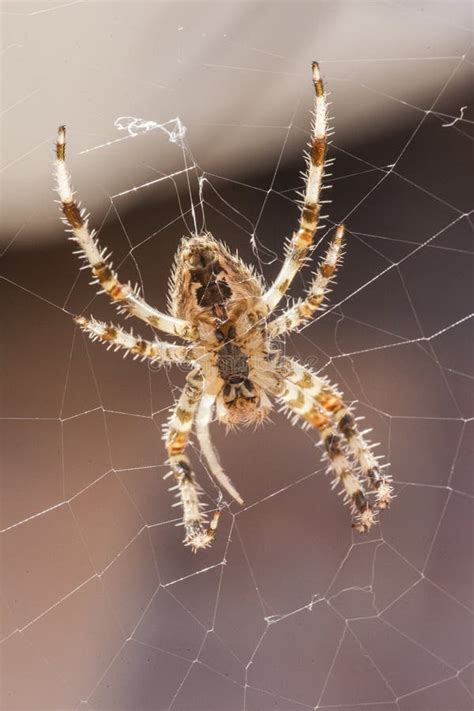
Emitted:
<point x="184" y="116"/>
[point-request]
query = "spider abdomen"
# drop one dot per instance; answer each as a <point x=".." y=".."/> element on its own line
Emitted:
<point x="207" y="277"/>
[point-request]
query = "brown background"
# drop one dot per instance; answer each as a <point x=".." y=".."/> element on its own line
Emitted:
<point x="103" y="608"/>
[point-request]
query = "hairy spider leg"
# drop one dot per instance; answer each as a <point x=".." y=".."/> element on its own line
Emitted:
<point x="306" y="408"/>
<point x="128" y="298"/>
<point x="117" y="338"/>
<point x="330" y="401"/>
<point x="300" y="244"/>
<point x="197" y="533"/>
<point x="304" y="309"/>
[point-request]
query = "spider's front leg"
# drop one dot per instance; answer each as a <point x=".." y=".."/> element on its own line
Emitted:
<point x="330" y="401"/>
<point x="305" y="407"/>
<point x="128" y="298"/>
<point x="198" y="534"/>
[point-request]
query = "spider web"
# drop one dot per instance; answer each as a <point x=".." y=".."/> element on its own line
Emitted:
<point x="103" y="608"/>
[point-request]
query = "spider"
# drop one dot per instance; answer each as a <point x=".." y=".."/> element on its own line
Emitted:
<point x="221" y="309"/>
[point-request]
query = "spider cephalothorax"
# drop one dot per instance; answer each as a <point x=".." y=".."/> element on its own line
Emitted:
<point x="239" y="399"/>
<point x="220" y="306"/>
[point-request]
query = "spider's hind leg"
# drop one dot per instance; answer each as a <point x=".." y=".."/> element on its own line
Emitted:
<point x="127" y="298"/>
<point x="300" y="245"/>
<point x="304" y="309"/>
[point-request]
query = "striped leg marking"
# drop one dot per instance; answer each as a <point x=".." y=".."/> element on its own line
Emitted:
<point x="331" y="402"/>
<point x="305" y="407"/>
<point x="379" y="483"/>
<point x="198" y="533"/>
<point x="304" y="309"/>
<point x="128" y="298"/>
<point x="299" y="246"/>
<point x="118" y="338"/>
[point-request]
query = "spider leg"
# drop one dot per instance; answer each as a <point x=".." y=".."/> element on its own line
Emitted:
<point x="203" y="420"/>
<point x="198" y="534"/>
<point x="157" y="351"/>
<point x="127" y="297"/>
<point x="303" y="309"/>
<point x="307" y="409"/>
<point x="332" y="404"/>
<point x="300" y="244"/>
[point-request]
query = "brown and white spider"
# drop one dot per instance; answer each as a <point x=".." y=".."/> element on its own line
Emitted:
<point x="221" y="307"/>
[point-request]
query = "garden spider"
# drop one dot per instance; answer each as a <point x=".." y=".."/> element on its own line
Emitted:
<point x="221" y="308"/>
